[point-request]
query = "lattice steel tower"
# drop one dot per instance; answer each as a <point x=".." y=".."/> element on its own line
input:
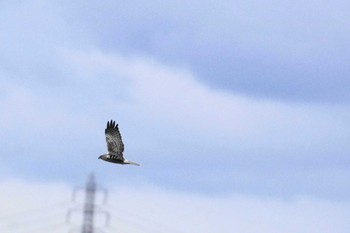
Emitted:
<point x="89" y="208"/>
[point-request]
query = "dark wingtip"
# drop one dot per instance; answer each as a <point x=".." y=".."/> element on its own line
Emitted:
<point x="111" y="124"/>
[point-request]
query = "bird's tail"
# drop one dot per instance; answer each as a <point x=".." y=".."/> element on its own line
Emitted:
<point x="129" y="162"/>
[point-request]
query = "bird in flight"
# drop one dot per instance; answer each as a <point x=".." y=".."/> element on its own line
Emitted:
<point x="115" y="145"/>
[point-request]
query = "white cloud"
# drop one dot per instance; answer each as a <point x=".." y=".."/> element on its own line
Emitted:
<point x="150" y="209"/>
<point x="33" y="207"/>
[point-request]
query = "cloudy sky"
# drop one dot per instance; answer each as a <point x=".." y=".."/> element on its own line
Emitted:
<point x="237" y="111"/>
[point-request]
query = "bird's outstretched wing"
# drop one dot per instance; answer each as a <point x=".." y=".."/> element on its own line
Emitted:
<point x="114" y="141"/>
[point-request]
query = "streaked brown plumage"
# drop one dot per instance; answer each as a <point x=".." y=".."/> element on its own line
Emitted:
<point x="115" y="145"/>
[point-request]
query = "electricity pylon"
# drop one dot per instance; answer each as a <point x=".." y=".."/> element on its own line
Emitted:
<point x="89" y="208"/>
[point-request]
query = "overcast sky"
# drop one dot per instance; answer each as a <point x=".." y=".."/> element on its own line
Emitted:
<point x="230" y="107"/>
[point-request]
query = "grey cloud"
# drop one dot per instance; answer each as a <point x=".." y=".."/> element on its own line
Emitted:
<point x="217" y="46"/>
<point x="290" y="51"/>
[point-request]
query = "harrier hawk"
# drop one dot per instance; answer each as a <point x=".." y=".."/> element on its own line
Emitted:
<point x="115" y="145"/>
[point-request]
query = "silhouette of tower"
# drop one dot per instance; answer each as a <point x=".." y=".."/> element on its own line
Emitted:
<point x="89" y="208"/>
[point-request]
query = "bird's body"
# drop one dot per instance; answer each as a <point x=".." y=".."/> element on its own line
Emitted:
<point x="115" y="145"/>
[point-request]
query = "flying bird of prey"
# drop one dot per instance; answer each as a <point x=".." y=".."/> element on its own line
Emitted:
<point x="115" y="145"/>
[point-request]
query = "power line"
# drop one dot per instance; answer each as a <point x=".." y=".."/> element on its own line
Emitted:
<point x="47" y="227"/>
<point x="33" y="218"/>
<point x="31" y="212"/>
<point x="141" y="221"/>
